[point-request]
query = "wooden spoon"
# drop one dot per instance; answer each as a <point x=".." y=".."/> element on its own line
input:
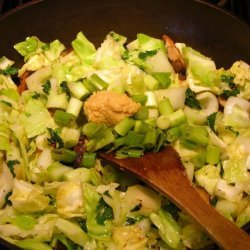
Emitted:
<point x="165" y="173"/>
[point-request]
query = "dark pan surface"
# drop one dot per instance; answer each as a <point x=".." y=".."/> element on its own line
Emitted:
<point x="213" y="32"/>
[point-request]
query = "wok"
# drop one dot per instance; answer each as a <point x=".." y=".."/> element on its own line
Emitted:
<point x="204" y="27"/>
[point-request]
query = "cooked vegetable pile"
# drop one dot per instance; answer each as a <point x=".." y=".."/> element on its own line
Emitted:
<point x="63" y="105"/>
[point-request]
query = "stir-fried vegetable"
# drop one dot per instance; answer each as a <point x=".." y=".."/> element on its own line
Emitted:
<point x="129" y="98"/>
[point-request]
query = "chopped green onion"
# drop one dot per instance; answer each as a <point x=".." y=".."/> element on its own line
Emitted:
<point x="150" y="139"/>
<point x="106" y="139"/>
<point x="151" y="122"/>
<point x="151" y="99"/>
<point x="63" y="155"/>
<point x="173" y="134"/>
<point x="124" y="126"/>
<point x="177" y="117"/>
<point x="70" y="137"/>
<point x="150" y="82"/>
<point x="163" y="122"/>
<point x="74" y="106"/>
<point x="78" y="90"/>
<point x="142" y="114"/>
<point x="89" y="86"/>
<point x="134" y="139"/>
<point x="140" y="98"/>
<point x="57" y="101"/>
<point x="153" y="113"/>
<point x="196" y="134"/>
<point x="92" y="130"/>
<point x="163" y="78"/>
<point x="165" y="107"/>
<point x="199" y="160"/>
<point x="56" y="171"/>
<point x="119" y="142"/>
<point x="135" y="153"/>
<point x="213" y="154"/>
<point x="98" y="82"/>
<point x="141" y="127"/>
<point x="127" y="152"/>
<point x="161" y="140"/>
<point x="88" y="160"/>
<point x="188" y="144"/>
<point x="63" y="118"/>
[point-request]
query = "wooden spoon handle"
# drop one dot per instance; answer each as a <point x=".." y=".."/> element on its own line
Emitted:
<point x="164" y="172"/>
<point x="222" y="231"/>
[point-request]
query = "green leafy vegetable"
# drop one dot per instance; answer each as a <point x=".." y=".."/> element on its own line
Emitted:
<point x="55" y="139"/>
<point x="6" y="103"/>
<point x="104" y="212"/>
<point x="211" y="120"/>
<point x="11" y="165"/>
<point x="9" y="71"/>
<point x="35" y="95"/>
<point x="228" y="79"/>
<point x="47" y="87"/>
<point x="144" y="54"/>
<point x="191" y="100"/>
<point x="65" y="88"/>
<point x="227" y="93"/>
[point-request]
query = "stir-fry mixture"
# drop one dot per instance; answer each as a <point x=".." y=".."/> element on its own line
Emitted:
<point x="63" y="105"/>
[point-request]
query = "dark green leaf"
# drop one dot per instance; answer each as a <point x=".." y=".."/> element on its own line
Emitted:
<point x="55" y="139"/>
<point x="65" y="88"/>
<point x="11" y="164"/>
<point x="191" y="100"/>
<point x="211" y="120"/>
<point x="35" y="95"/>
<point x="227" y="93"/>
<point x="172" y="209"/>
<point x="104" y="212"/>
<point x="125" y="55"/>
<point x="46" y="87"/>
<point x="133" y="220"/>
<point x="9" y="71"/>
<point x="227" y="78"/>
<point x="144" y="54"/>
<point x="6" y="103"/>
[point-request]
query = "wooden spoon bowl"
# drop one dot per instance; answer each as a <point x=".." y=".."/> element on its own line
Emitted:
<point x="164" y="172"/>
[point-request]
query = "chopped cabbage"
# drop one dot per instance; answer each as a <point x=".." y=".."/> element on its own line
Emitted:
<point x="49" y="196"/>
<point x="28" y="198"/>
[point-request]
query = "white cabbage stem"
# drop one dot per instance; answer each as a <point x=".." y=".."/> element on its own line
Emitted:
<point x="209" y="104"/>
<point x="176" y="96"/>
<point x="6" y="182"/>
<point x="232" y="101"/>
